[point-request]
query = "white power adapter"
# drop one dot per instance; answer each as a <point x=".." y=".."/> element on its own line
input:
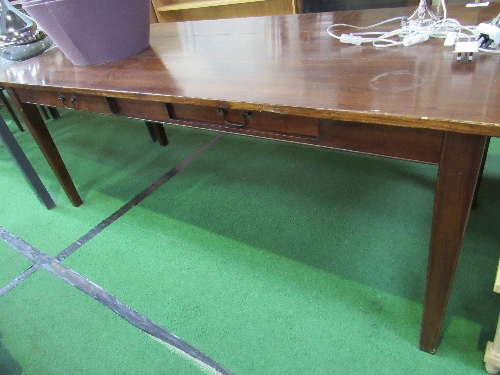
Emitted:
<point x="487" y="34"/>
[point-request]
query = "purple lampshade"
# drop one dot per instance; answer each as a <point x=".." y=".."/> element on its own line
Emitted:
<point x="93" y="31"/>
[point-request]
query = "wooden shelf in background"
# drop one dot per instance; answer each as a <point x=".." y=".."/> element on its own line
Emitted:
<point x="202" y="4"/>
<point x="190" y="10"/>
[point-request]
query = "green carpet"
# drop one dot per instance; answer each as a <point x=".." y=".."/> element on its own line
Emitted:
<point x="270" y="258"/>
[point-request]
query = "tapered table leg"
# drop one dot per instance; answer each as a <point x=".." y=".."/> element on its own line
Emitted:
<point x="459" y="168"/>
<point x="157" y="132"/>
<point x="24" y="165"/>
<point x="4" y="100"/>
<point x="480" y="177"/>
<point x="34" y="121"/>
<point x="54" y="112"/>
<point x="45" y="113"/>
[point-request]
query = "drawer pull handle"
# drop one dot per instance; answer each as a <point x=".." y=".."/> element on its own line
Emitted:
<point x="73" y="101"/>
<point x="246" y="115"/>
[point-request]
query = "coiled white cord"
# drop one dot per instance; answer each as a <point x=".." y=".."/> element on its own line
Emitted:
<point x="410" y="32"/>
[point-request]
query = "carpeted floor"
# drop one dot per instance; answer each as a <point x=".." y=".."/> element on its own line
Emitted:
<point x="269" y="258"/>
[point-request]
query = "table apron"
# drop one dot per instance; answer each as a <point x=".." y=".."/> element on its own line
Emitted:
<point x="414" y="144"/>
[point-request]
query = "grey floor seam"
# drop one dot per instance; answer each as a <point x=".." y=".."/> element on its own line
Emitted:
<point x="66" y="274"/>
<point x="117" y="214"/>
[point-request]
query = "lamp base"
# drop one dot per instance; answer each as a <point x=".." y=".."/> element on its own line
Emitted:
<point x="25" y="51"/>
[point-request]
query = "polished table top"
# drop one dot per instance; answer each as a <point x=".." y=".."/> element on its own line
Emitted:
<point x="289" y="64"/>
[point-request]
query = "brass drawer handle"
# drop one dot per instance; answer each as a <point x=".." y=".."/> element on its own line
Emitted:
<point x="246" y="115"/>
<point x="73" y="101"/>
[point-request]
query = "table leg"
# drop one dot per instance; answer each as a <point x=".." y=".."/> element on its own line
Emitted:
<point x="24" y="165"/>
<point x="480" y="178"/>
<point x="4" y="100"/>
<point x="45" y="113"/>
<point x="54" y="112"/>
<point x="459" y="167"/>
<point x="157" y="132"/>
<point x="34" y="121"/>
<point x="151" y="131"/>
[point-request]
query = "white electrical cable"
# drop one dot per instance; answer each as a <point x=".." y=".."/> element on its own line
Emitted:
<point x="411" y="31"/>
<point x="489" y="50"/>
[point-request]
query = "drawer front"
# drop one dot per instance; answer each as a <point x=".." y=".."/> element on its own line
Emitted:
<point x="231" y="120"/>
<point x="259" y="121"/>
<point x="64" y="99"/>
<point x="144" y="110"/>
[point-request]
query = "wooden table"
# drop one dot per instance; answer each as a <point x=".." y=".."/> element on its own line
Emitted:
<point x="285" y="78"/>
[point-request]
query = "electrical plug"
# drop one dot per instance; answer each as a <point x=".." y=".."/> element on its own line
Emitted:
<point x="465" y="50"/>
<point x="487" y="35"/>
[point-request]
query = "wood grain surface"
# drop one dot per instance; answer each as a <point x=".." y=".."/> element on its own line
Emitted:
<point x="289" y="64"/>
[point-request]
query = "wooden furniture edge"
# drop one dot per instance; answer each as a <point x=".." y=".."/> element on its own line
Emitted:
<point x="488" y="129"/>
